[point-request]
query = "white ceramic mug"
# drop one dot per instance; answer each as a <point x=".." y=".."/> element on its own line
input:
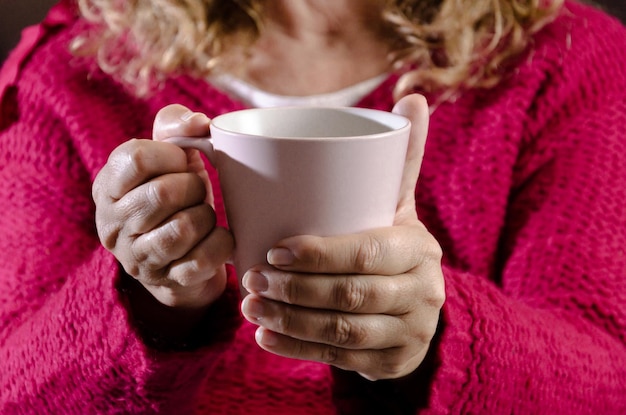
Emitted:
<point x="302" y="170"/>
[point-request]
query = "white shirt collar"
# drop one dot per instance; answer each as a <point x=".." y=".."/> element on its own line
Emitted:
<point x="257" y="98"/>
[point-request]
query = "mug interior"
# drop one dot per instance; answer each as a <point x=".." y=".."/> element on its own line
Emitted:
<point x="307" y="122"/>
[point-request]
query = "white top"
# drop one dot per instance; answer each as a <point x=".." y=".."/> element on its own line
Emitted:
<point x="257" y="98"/>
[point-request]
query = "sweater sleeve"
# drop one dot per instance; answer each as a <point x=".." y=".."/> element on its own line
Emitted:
<point x="547" y="334"/>
<point x="67" y="340"/>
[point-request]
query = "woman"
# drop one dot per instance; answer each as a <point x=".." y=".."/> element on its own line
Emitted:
<point x="519" y="226"/>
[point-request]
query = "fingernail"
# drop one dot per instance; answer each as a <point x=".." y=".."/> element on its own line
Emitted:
<point x="255" y="282"/>
<point x="254" y="309"/>
<point x="265" y="337"/>
<point x="280" y="256"/>
<point x="187" y="116"/>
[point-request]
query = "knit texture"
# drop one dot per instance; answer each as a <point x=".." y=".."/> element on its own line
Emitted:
<point x="524" y="186"/>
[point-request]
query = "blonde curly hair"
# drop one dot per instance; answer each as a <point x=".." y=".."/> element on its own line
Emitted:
<point x="439" y="46"/>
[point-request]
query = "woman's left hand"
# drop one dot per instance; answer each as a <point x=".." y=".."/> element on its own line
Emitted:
<point x="367" y="302"/>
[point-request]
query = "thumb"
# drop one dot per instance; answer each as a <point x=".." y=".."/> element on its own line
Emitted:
<point x="179" y="121"/>
<point x="176" y="120"/>
<point x="415" y="108"/>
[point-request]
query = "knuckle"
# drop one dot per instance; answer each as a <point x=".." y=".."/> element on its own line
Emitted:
<point x="128" y="156"/>
<point x="180" y="228"/>
<point x="432" y="251"/>
<point x="108" y="233"/>
<point x="339" y="331"/>
<point x="132" y="154"/>
<point x="438" y="296"/>
<point x="435" y="251"/>
<point x="98" y="189"/>
<point x="367" y="254"/>
<point x="133" y="270"/>
<point x="183" y="225"/>
<point x="158" y="194"/>
<point x="139" y="265"/>
<point x="350" y="295"/>
<point x="429" y="251"/>
<point x="126" y="163"/>
<point x="146" y="258"/>
<point x="136" y="264"/>
<point x="109" y="239"/>
<point x="435" y="291"/>
<point x="161" y="244"/>
<point x="342" y="333"/>
<point x="330" y="355"/>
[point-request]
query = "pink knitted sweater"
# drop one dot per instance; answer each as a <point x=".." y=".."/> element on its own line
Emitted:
<point x="524" y="186"/>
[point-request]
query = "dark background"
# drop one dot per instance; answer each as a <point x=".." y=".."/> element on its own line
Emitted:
<point x="16" y="14"/>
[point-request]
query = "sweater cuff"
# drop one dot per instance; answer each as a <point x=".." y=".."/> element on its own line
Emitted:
<point x="217" y="324"/>
<point x="353" y="394"/>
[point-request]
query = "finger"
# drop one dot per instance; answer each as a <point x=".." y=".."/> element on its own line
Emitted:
<point x="134" y="163"/>
<point x="345" y="330"/>
<point x="179" y="121"/>
<point x="366" y="294"/>
<point x="372" y="364"/>
<point x="415" y="108"/>
<point x="153" y="251"/>
<point x="176" y="120"/>
<point x="197" y="278"/>
<point x="205" y="259"/>
<point x="383" y="251"/>
<point x="146" y="206"/>
<point x="190" y="296"/>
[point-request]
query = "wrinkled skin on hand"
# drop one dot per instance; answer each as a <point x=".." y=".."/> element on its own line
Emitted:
<point x="367" y="302"/>
<point x="154" y="213"/>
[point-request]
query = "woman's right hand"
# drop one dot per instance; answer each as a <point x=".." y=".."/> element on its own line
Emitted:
<point x="154" y="213"/>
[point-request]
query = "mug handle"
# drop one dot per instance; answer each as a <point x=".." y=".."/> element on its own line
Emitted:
<point x="204" y="144"/>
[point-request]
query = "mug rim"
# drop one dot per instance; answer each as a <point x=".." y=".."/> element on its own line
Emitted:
<point x="395" y="123"/>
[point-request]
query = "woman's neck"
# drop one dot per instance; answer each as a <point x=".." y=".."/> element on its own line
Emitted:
<point x="311" y="47"/>
<point x="323" y="21"/>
